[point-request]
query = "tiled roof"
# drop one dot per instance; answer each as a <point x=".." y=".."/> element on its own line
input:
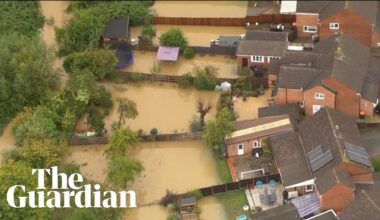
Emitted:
<point x="283" y="212"/>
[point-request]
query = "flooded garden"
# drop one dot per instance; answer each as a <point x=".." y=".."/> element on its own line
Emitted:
<point x="179" y="166"/>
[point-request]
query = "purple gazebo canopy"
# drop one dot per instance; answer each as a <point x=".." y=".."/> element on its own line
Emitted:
<point x="167" y="53"/>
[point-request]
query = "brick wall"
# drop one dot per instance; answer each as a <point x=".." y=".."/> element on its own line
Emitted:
<point x="309" y="97"/>
<point x="349" y="23"/>
<point x="337" y="198"/>
<point x="232" y="149"/>
<point x="288" y="96"/>
<point x="309" y="20"/>
<point x="347" y="100"/>
<point x="375" y="39"/>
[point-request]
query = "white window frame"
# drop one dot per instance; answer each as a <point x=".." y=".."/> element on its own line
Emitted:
<point x="309" y="190"/>
<point x="319" y="95"/>
<point x="257" y="143"/>
<point x="334" y="26"/>
<point x="257" y="59"/>
<point x="306" y="29"/>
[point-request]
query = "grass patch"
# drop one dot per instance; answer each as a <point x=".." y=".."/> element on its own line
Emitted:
<point x="223" y="169"/>
<point x="233" y="203"/>
<point x="376" y="163"/>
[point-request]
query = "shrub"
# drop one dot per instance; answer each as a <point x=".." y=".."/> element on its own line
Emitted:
<point x="102" y="97"/>
<point x="376" y="164"/>
<point x="188" y="53"/>
<point x="185" y="81"/>
<point x="148" y="32"/>
<point x="205" y="78"/>
<point x="195" y="125"/>
<point x="174" y="37"/>
<point x="153" y="131"/>
<point x="96" y="121"/>
<point x="137" y="77"/>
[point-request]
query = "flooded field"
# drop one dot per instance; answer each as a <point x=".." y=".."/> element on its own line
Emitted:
<point x="177" y="166"/>
<point x="7" y="141"/>
<point x="192" y="9"/>
<point x="195" y="35"/>
<point x="249" y="108"/>
<point x="160" y="105"/>
<point x="144" y="62"/>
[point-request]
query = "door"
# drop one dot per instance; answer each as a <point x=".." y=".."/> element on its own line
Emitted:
<point x="316" y="108"/>
<point x="240" y="149"/>
<point x="244" y="62"/>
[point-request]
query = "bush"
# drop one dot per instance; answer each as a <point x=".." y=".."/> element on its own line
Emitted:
<point x="96" y="120"/>
<point x="174" y="37"/>
<point x="376" y="164"/>
<point x="153" y="131"/>
<point x="137" y="77"/>
<point x="195" y="125"/>
<point x="205" y="78"/>
<point x="185" y="81"/>
<point x="102" y="97"/>
<point x="148" y="32"/>
<point x="188" y="53"/>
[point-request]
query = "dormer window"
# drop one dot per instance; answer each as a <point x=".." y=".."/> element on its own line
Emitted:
<point x="334" y="26"/>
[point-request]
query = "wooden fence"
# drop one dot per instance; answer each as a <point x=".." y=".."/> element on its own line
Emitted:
<point x="78" y="140"/>
<point x="242" y="184"/>
<point x="263" y="18"/>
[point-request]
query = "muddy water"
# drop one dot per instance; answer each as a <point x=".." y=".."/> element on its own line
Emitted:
<point x="249" y="108"/>
<point x="7" y="141"/>
<point x="195" y="35"/>
<point x="211" y="209"/>
<point x="55" y="10"/>
<point x="143" y="62"/>
<point x="226" y="9"/>
<point x="178" y="166"/>
<point x="160" y="105"/>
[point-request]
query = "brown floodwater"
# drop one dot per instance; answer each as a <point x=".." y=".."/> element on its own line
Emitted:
<point x="144" y="61"/>
<point x="214" y="9"/>
<point x="195" y="35"/>
<point x="56" y="11"/>
<point x="7" y="140"/>
<point x="178" y="166"/>
<point x="211" y="209"/>
<point x="160" y="105"/>
<point x="249" y="109"/>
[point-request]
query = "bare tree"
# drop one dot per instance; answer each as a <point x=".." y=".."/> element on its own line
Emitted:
<point x="203" y="109"/>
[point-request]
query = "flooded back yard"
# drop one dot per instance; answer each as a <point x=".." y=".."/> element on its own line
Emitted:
<point x="178" y="166"/>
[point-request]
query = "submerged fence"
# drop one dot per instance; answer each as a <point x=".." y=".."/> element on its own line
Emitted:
<point x="263" y="18"/>
<point x="241" y="184"/>
<point x="83" y="140"/>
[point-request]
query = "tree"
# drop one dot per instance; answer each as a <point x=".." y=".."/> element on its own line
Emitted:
<point x="26" y="74"/>
<point x="148" y="32"/>
<point x="19" y="173"/>
<point x="121" y="140"/>
<point x="96" y="120"/>
<point x="122" y="170"/>
<point x="203" y="109"/>
<point x="99" y="62"/>
<point x="216" y="130"/>
<point x="127" y="109"/>
<point x="205" y="78"/>
<point x="174" y="37"/>
<point x="188" y="53"/>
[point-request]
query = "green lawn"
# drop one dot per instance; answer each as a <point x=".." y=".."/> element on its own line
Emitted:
<point x="233" y="203"/>
<point x="376" y="163"/>
<point x="223" y="169"/>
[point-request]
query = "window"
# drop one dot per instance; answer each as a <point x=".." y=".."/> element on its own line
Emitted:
<point x="309" y="188"/>
<point x="310" y="29"/>
<point x="302" y="104"/>
<point x="334" y="26"/>
<point x="319" y="95"/>
<point x="256" y="144"/>
<point x="240" y="146"/>
<point x="259" y="59"/>
<point x="273" y="58"/>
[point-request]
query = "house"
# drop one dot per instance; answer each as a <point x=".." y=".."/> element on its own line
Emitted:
<point x="326" y="18"/>
<point x="366" y="204"/>
<point x="116" y="30"/>
<point x="250" y="134"/>
<point x="258" y="48"/>
<point x="339" y="73"/>
<point x="293" y="110"/>
<point x="324" y="156"/>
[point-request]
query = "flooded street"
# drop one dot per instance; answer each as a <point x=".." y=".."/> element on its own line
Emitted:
<point x="199" y="9"/>
<point x="178" y="166"/>
<point x="195" y="35"/>
<point x="7" y="141"/>
<point x="160" y="105"/>
<point x="55" y="11"/>
<point x="143" y="63"/>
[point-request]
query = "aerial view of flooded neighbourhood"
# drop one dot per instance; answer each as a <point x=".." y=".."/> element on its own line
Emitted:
<point x="190" y="110"/>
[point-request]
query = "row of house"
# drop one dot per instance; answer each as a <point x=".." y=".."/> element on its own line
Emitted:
<point x="359" y="19"/>
<point x="322" y="155"/>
